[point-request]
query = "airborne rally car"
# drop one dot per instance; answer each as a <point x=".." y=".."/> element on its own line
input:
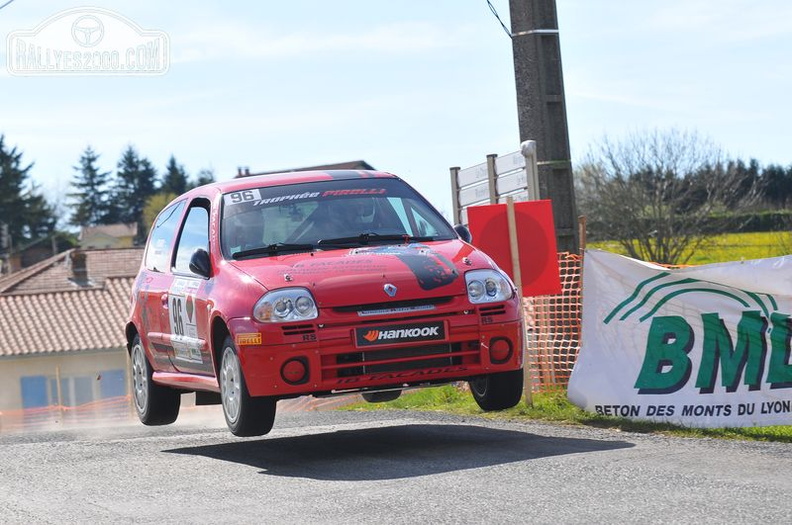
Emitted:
<point x="320" y="283"/>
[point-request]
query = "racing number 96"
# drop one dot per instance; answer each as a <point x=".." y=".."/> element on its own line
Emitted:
<point x="178" y="322"/>
<point x="242" y="196"/>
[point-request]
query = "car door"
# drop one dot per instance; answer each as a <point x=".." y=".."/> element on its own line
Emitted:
<point x="155" y="281"/>
<point x="185" y="311"/>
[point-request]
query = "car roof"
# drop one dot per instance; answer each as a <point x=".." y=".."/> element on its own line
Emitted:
<point x="294" y="177"/>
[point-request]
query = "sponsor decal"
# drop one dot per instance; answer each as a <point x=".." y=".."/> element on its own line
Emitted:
<point x="253" y="197"/>
<point x="397" y="310"/>
<point x="184" y="330"/>
<point x="405" y="333"/>
<point x="248" y="339"/>
<point x="356" y="192"/>
<point x="406" y="375"/>
<point x="431" y="269"/>
<point x="705" y="346"/>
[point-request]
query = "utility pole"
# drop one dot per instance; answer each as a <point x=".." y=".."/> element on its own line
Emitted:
<point x="541" y="109"/>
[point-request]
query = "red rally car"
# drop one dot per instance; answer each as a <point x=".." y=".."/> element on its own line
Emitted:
<point x="321" y="283"/>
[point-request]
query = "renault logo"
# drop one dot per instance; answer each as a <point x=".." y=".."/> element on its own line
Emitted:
<point x="390" y="290"/>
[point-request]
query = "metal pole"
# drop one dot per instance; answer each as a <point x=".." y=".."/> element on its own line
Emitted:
<point x="457" y="212"/>
<point x="491" y="178"/>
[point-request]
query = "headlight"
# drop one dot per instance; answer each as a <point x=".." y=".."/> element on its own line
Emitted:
<point x="488" y="286"/>
<point x="286" y="304"/>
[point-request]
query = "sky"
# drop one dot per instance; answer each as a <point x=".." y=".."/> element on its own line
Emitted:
<point x="410" y="86"/>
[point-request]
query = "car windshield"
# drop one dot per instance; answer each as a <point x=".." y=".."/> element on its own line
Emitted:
<point x="274" y="220"/>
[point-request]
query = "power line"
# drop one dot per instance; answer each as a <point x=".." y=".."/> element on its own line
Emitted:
<point x="9" y="1"/>
<point x="494" y="12"/>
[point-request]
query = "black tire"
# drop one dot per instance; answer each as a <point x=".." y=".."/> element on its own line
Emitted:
<point x="155" y="404"/>
<point x="381" y="397"/>
<point x="245" y="415"/>
<point x="497" y="391"/>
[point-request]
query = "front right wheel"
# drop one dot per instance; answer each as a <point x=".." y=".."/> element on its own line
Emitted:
<point x="497" y="391"/>
<point x="245" y="415"/>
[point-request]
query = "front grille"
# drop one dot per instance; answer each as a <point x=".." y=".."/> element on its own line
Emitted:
<point x="398" y="359"/>
<point x="492" y="310"/>
<point x="417" y="304"/>
<point x="298" y="329"/>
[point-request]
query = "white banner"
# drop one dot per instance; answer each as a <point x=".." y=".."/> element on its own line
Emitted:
<point x="706" y="346"/>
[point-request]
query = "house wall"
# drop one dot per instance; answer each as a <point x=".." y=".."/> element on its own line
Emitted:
<point x="86" y="376"/>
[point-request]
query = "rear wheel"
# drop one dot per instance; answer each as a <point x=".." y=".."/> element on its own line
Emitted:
<point x="244" y="415"/>
<point x="381" y="397"/>
<point x="155" y="404"/>
<point x="497" y="391"/>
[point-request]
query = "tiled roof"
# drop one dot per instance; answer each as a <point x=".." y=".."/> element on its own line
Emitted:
<point x="42" y="311"/>
<point x="65" y="321"/>
<point x="53" y="274"/>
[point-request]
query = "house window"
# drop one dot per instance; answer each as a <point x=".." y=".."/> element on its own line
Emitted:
<point x="35" y="393"/>
<point x="112" y="383"/>
<point x="42" y="391"/>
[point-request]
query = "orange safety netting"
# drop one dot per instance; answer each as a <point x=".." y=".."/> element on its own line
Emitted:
<point x="95" y="412"/>
<point x="553" y="329"/>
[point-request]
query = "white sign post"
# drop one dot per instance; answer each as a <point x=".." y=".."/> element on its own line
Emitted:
<point x="514" y="175"/>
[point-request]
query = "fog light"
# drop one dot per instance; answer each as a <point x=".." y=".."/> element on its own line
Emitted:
<point x="295" y="371"/>
<point x="500" y="350"/>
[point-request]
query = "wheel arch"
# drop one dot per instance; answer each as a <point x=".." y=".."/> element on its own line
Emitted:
<point x="218" y="335"/>
<point x="131" y="331"/>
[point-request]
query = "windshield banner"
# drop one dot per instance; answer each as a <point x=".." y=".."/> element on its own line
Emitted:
<point x="705" y="346"/>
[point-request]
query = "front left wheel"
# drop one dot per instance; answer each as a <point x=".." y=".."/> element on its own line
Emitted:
<point x="155" y="404"/>
<point x="245" y="415"/>
<point x="497" y="391"/>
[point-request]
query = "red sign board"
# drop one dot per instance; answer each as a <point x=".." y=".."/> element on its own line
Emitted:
<point x="535" y="237"/>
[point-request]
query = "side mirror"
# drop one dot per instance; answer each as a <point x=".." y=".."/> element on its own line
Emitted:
<point x="463" y="232"/>
<point x="200" y="264"/>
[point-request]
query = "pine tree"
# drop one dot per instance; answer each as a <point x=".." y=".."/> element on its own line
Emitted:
<point x="205" y="176"/>
<point x="135" y="184"/>
<point x="23" y="208"/>
<point x="90" y="198"/>
<point x="175" y="179"/>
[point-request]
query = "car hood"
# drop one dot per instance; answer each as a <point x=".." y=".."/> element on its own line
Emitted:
<point x="361" y="275"/>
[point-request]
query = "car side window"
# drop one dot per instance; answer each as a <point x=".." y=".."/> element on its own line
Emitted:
<point x="194" y="235"/>
<point x="161" y="241"/>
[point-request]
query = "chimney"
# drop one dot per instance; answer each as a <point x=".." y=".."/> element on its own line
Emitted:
<point x="247" y="171"/>
<point x="78" y="269"/>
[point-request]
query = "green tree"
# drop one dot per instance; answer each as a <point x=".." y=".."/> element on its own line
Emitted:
<point x="154" y="205"/>
<point x="777" y="185"/>
<point x="27" y="214"/>
<point x="205" y="176"/>
<point x="90" y="198"/>
<point x="657" y="193"/>
<point x="175" y="179"/>
<point x="135" y="184"/>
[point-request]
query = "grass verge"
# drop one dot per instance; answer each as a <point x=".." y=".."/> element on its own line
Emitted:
<point x="554" y="407"/>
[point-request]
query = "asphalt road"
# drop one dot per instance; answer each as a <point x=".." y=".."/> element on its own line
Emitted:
<point x="388" y="467"/>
